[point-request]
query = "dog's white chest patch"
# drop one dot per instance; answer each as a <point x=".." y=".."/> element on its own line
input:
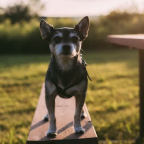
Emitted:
<point x="65" y="63"/>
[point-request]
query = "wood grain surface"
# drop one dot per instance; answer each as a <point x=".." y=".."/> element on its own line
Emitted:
<point x="64" y="111"/>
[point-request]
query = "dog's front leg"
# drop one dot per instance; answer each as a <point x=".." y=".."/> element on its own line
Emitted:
<point x="50" y="95"/>
<point x="79" y="91"/>
<point x="77" y="117"/>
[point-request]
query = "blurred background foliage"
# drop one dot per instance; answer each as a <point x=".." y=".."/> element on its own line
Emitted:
<point x="19" y="28"/>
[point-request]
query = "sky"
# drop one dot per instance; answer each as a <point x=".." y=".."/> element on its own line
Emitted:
<point x="72" y="8"/>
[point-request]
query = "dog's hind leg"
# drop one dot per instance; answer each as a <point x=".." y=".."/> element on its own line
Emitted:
<point x="50" y="95"/>
<point x="83" y="113"/>
<point x="46" y="118"/>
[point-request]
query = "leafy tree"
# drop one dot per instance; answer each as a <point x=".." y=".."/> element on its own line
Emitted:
<point x="23" y="12"/>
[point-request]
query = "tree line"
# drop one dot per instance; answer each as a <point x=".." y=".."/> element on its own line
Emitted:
<point x="19" y="29"/>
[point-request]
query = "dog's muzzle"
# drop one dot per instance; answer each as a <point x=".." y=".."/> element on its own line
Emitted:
<point x="66" y="49"/>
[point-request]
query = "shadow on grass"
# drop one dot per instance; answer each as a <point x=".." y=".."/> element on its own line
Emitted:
<point x="18" y="60"/>
<point x="130" y="57"/>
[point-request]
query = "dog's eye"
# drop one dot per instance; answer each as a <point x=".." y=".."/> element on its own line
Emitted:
<point x="57" y="39"/>
<point x="74" y="39"/>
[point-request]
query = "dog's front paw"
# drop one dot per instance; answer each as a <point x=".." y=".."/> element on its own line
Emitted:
<point x="79" y="130"/>
<point x="46" y="117"/>
<point x="51" y="133"/>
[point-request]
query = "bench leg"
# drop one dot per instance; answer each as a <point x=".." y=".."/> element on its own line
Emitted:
<point x="141" y="91"/>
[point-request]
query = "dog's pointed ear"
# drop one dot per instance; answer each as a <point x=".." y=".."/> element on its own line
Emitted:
<point x="82" y="28"/>
<point x="45" y="30"/>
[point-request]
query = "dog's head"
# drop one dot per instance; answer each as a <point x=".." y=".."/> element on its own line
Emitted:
<point x="65" y="41"/>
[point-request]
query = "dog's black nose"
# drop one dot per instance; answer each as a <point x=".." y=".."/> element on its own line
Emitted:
<point x="66" y="48"/>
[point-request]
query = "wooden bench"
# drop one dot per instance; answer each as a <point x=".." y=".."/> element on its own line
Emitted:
<point x="135" y="41"/>
<point x="64" y="111"/>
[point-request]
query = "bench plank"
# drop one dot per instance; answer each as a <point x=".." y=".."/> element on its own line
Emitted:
<point x="133" y="41"/>
<point x="64" y="111"/>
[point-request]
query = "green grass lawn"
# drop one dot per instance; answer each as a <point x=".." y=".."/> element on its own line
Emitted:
<point x="112" y="96"/>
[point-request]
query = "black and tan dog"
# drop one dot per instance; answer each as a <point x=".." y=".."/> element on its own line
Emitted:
<point x="66" y="75"/>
